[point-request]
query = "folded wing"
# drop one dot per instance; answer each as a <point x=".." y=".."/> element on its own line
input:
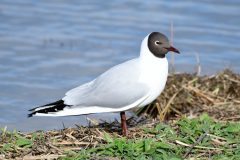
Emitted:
<point x="117" y="87"/>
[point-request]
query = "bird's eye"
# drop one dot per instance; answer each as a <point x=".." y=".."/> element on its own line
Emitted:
<point x="157" y="43"/>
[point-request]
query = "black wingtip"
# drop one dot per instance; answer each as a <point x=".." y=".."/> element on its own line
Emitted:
<point x="30" y="115"/>
<point x="31" y="109"/>
<point x="51" y="107"/>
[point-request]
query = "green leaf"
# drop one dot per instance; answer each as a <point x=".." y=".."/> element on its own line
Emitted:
<point x="23" y="142"/>
<point x="174" y="158"/>
<point x="120" y="145"/>
<point x="108" y="138"/>
<point x="7" y="147"/>
<point x="233" y="128"/>
<point x="163" y="145"/>
<point x="147" y="145"/>
<point x="205" y="117"/>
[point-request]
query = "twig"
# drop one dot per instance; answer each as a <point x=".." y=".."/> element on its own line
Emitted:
<point x="217" y="137"/>
<point x="172" y="69"/>
<point x="176" y="111"/>
<point x="197" y="142"/>
<point x="71" y="137"/>
<point x="200" y="93"/>
<point x="198" y="69"/>
<point x="164" y="112"/>
<point x="72" y="148"/>
<point x="199" y="147"/>
<point x="232" y="118"/>
<point x="159" y="109"/>
<point x="52" y="146"/>
<point x="71" y="143"/>
<point x="218" y="142"/>
<point x="50" y="156"/>
<point x="233" y="80"/>
<point x="63" y="126"/>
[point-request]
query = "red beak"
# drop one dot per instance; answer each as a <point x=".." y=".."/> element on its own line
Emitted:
<point x="171" y="48"/>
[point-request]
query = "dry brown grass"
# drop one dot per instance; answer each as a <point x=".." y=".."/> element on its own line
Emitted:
<point x="218" y="95"/>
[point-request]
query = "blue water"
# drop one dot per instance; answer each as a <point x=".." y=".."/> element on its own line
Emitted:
<point x="49" y="47"/>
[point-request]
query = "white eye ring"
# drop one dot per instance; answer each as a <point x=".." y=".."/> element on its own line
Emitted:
<point x="157" y="42"/>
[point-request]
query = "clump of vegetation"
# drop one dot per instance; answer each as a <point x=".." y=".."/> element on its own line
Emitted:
<point x="218" y="95"/>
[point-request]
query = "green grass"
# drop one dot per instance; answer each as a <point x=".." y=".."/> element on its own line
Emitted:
<point x="162" y="141"/>
<point x="222" y="141"/>
<point x="15" y="139"/>
<point x="12" y="142"/>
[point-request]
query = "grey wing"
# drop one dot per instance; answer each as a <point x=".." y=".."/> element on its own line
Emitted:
<point x="117" y="87"/>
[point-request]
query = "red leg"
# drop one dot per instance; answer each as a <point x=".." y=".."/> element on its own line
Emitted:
<point x="123" y="123"/>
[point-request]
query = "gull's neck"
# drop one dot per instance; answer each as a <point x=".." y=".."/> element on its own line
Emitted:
<point x="146" y="56"/>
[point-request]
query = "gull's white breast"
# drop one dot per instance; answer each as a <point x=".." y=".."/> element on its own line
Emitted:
<point x="154" y="74"/>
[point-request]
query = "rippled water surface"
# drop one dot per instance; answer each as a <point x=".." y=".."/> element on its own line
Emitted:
<point x="49" y="47"/>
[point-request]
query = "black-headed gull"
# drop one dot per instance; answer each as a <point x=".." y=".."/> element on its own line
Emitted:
<point x="134" y="83"/>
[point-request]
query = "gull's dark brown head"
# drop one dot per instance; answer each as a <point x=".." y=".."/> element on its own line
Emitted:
<point x="159" y="45"/>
